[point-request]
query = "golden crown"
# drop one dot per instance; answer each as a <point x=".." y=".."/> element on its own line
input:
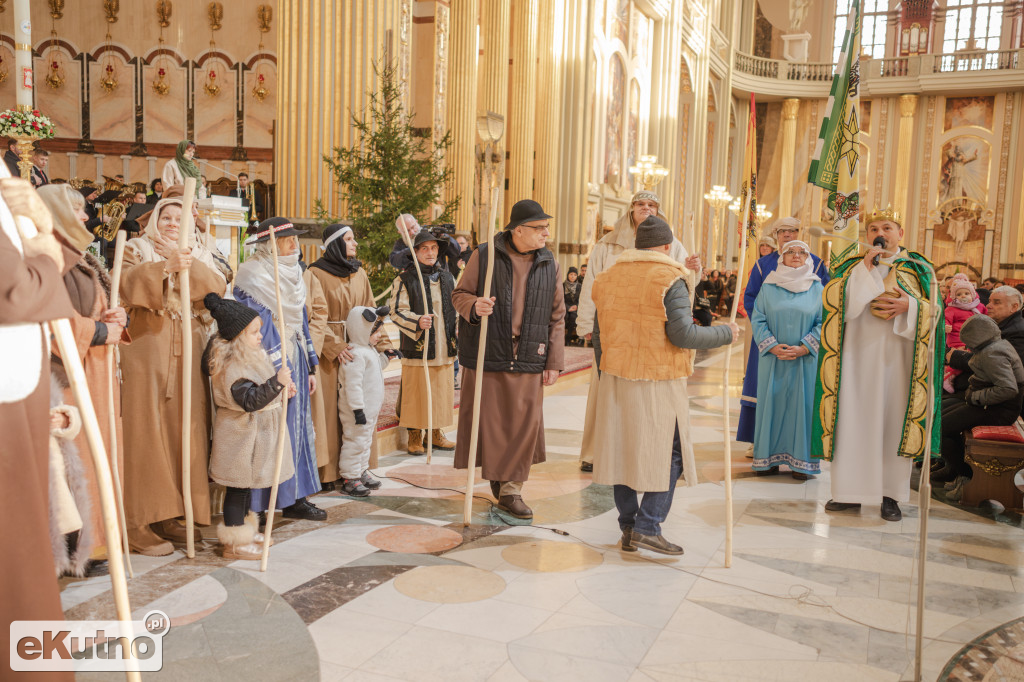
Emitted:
<point x="889" y="213"/>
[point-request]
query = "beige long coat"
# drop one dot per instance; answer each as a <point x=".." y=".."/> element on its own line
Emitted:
<point x="342" y="294"/>
<point x="316" y="311"/>
<point x="151" y="392"/>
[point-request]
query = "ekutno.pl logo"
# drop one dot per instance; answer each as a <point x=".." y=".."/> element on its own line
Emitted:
<point x="89" y="645"/>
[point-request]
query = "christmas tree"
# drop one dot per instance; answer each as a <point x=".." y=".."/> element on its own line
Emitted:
<point x="390" y="169"/>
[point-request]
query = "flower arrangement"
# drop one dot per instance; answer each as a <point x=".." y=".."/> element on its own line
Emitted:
<point x="16" y="123"/>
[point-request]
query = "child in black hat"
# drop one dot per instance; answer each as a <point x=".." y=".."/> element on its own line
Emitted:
<point x="246" y="391"/>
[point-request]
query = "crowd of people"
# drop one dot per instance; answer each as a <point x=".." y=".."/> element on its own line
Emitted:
<point x="838" y="367"/>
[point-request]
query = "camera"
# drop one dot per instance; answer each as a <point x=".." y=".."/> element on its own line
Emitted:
<point x="442" y="229"/>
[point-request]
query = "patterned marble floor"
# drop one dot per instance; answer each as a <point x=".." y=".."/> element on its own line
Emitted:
<point x="393" y="587"/>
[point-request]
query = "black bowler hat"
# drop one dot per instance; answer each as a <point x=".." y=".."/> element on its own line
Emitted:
<point x="424" y="236"/>
<point x="525" y="211"/>
<point x="282" y="227"/>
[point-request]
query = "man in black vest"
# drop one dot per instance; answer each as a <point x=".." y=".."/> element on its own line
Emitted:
<point x="524" y="352"/>
<point x="432" y="330"/>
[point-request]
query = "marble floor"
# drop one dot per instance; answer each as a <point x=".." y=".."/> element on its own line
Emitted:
<point x="393" y="587"/>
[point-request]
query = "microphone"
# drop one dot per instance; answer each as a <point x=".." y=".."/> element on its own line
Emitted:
<point x="880" y="243"/>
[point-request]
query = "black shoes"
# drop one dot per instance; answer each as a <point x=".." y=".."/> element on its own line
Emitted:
<point x="834" y="506"/>
<point x="655" y="543"/>
<point x="943" y="475"/>
<point x="306" y="510"/>
<point x="771" y="471"/>
<point x="891" y="510"/>
<point x="588" y="467"/>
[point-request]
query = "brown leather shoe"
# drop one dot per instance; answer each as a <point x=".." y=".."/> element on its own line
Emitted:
<point x="514" y="505"/>
<point x="627" y="540"/>
<point x="440" y="442"/>
<point x="655" y="543"/>
<point x="415" y="446"/>
<point x="144" y="541"/>
<point x="173" y="530"/>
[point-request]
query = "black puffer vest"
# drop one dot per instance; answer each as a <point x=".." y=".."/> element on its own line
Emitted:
<point x="414" y="349"/>
<point x="533" y="342"/>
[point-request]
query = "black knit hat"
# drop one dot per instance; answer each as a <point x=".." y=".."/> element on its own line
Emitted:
<point x="572" y="270"/>
<point x="652" y="232"/>
<point x="282" y="228"/>
<point x="525" y="211"/>
<point x="232" y="317"/>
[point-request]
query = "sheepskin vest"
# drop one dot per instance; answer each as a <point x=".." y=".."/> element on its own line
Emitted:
<point x="630" y="301"/>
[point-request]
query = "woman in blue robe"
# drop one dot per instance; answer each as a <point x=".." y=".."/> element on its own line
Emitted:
<point x="784" y="230"/>
<point x="254" y="287"/>
<point x="786" y="324"/>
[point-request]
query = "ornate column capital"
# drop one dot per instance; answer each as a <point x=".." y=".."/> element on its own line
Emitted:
<point x="790" y="107"/>
<point x="908" y="105"/>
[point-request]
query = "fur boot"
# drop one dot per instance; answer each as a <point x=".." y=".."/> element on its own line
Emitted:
<point x="237" y="542"/>
<point x="253" y="519"/>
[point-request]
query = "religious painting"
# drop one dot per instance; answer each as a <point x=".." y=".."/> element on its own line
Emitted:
<point x="963" y="169"/>
<point x="969" y="111"/>
<point x="613" y="170"/>
<point x="634" y="123"/>
<point x="620" y="22"/>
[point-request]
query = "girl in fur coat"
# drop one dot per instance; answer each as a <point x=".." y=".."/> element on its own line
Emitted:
<point x="245" y="430"/>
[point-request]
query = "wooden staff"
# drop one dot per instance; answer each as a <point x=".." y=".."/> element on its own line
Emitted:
<point x="426" y="339"/>
<point x="478" y="375"/>
<point x="282" y="429"/>
<point x="726" y="428"/>
<point x="115" y="283"/>
<point x="185" y="244"/>
<point x="61" y="330"/>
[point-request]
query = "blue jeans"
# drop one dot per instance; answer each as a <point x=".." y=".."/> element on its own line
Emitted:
<point x="645" y="517"/>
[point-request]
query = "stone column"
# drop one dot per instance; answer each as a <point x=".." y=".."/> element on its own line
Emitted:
<point x="666" y="72"/>
<point x="697" y="144"/>
<point x="461" y="107"/>
<point x="548" y="117"/>
<point x="493" y="91"/>
<point x="337" y="44"/>
<point x="577" y="122"/>
<point x="523" y="102"/>
<point x="908" y="105"/>
<point x="790" y="107"/>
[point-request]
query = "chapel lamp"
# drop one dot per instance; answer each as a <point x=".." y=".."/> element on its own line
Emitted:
<point x="648" y="173"/>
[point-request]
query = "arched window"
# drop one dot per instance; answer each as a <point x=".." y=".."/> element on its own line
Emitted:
<point x="872" y="34"/>
<point x="972" y="25"/>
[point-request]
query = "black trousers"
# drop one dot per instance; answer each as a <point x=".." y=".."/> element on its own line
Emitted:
<point x="958" y="417"/>
<point x="236" y="505"/>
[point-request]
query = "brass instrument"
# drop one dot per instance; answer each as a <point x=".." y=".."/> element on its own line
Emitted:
<point x="116" y="209"/>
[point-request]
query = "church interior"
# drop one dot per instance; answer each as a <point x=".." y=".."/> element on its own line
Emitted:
<point x="576" y="104"/>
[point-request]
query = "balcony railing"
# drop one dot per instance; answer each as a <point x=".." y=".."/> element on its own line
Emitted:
<point x="889" y="67"/>
<point x="977" y="61"/>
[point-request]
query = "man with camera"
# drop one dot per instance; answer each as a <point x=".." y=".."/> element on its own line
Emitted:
<point x="449" y="250"/>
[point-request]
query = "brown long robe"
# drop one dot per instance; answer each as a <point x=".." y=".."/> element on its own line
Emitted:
<point x="511" y="436"/>
<point x="31" y="290"/>
<point x="316" y="311"/>
<point x="85" y="285"/>
<point x="152" y="370"/>
<point x="342" y="294"/>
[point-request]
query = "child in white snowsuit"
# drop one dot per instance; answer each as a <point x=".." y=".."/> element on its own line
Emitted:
<point x="360" y="397"/>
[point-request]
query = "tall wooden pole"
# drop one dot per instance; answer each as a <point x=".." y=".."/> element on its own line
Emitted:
<point x="185" y="244"/>
<point x="478" y="374"/>
<point x="115" y="283"/>
<point x="426" y="340"/>
<point x="282" y="428"/>
<point x="727" y="429"/>
<point x="65" y="338"/>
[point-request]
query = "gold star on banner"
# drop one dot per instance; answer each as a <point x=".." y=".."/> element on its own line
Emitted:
<point x="848" y="145"/>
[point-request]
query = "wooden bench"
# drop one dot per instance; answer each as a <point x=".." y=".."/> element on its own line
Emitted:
<point x="995" y="463"/>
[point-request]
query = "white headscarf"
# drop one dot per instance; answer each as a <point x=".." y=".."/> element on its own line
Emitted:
<point x="256" y="278"/>
<point x="797" y="280"/>
<point x="145" y="245"/>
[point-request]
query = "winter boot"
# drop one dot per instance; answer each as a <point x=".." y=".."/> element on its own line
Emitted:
<point x="415" y="446"/>
<point x="440" y="442"/>
<point x="238" y="542"/>
<point x="253" y="519"/>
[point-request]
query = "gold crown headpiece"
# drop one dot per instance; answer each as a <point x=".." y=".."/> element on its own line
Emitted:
<point x="889" y="213"/>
